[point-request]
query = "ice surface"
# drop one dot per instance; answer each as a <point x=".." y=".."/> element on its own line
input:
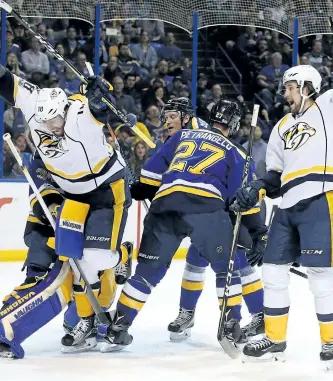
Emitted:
<point x="152" y="357"/>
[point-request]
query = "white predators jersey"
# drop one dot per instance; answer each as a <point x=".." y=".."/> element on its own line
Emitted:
<point x="80" y="161"/>
<point x="302" y="149"/>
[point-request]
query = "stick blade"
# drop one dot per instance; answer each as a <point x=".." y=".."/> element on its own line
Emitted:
<point x="230" y="348"/>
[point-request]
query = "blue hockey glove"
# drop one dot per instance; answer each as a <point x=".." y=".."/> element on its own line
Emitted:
<point x="247" y="198"/>
<point x="95" y="90"/>
<point x="256" y="255"/>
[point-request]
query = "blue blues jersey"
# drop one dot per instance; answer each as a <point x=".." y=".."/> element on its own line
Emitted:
<point x="197" y="171"/>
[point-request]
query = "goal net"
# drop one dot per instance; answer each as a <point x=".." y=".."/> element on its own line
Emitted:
<point x="272" y="14"/>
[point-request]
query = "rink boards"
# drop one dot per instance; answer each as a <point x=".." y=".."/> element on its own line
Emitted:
<point x="14" y="209"/>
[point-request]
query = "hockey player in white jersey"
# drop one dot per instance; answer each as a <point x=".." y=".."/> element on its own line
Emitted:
<point x="69" y="138"/>
<point x="299" y="168"/>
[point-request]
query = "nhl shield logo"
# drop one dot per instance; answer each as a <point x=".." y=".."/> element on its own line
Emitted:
<point x="297" y="135"/>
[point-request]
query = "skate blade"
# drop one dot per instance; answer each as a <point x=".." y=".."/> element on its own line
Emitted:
<point x="267" y="357"/>
<point x="7" y="355"/>
<point x="180" y="336"/>
<point x="328" y="365"/>
<point x="232" y="349"/>
<point x="106" y="348"/>
<point x="83" y="347"/>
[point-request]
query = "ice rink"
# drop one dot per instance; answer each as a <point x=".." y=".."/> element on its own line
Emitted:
<point x="152" y="357"/>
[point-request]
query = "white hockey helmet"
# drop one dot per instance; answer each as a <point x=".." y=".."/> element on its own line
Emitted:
<point x="302" y="74"/>
<point x="50" y="103"/>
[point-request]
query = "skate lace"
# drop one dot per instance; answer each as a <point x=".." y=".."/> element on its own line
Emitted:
<point x="256" y="319"/>
<point x="328" y="347"/>
<point x="261" y="344"/>
<point x="81" y="328"/>
<point x="184" y="316"/>
<point x="121" y="269"/>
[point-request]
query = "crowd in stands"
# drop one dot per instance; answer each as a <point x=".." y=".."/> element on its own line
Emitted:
<point x="146" y="68"/>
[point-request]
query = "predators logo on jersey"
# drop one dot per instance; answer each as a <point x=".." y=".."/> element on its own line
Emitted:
<point x="297" y="135"/>
<point x="50" y="145"/>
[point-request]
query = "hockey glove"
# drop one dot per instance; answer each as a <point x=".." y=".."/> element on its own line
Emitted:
<point x="95" y="90"/>
<point x="140" y="191"/>
<point x="246" y="198"/>
<point x="256" y="255"/>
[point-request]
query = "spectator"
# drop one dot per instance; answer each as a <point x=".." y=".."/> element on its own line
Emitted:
<point x="326" y="68"/>
<point x="153" y="121"/>
<point x="57" y="66"/>
<point x="34" y="60"/>
<point x="246" y="42"/>
<point x="80" y="63"/>
<point x="129" y="31"/>
<point x="269" y="78"/>
<point x="154" y="28"/>
<point x="170" y="52"/>
<point x="126" y="63"/>
<point x="274" y="42"/>
<point x="186" y="70"/>
<point x="138" y="158"/>
<point x="316" y="54"/>
<point x="258" y="152"/>
<point x="21" y="143"/>
<point x="260" y="56"/>
<point x="69" y="82"/>
<point x="177" y="87"/>
<point x="13" y="65"/>
<point x="123" y="101"/>
<point x="125" y="139"/>
<point x="287" y="54"/>
<point x="20" y="38"/>
<point x="12" y="47"/>
<point x="216" y="95"/>
<point x="70" y="43"/>
<point x="15" y="122"/>
<point x="162" y="72"/>
<point x="112" y="70"/>
<point x="304" y="60"/>
<point x="145" y="54"/>
<point x="130" y="89"/>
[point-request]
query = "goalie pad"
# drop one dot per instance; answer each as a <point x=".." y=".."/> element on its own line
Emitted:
<point x="69" y="236"/>
<point x="30" y="306"/>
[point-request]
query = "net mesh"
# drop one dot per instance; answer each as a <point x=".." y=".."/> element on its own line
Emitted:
<point x="272" y="14"/>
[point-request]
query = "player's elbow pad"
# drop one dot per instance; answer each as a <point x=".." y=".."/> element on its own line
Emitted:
<point x="272" y="183"/>
<point x="140" y="191"/>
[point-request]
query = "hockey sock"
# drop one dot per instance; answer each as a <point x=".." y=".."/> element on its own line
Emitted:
<point x="235" y="294"/>
<point x="192" y="286"/>
<point x="252" y="287"/>
<point x="133" y="297"/>
<point x="83" y="305"/>
<point x="321" y="285"/>
<point x="276" y="300"/>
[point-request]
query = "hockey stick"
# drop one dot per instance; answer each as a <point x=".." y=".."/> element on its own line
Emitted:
<point x="101" y="315"/>
<point x="132" y="178"/>
<point x="299" y="273"/>
<point x="59" y="57"/>
<point x="229" y="347"/>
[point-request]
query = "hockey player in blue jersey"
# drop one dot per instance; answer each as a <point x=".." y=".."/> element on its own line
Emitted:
<point x="178" y="114"/>
<point x="194" y="174"/>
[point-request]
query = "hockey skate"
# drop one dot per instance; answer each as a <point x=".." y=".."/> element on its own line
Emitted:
<point x="117" y="337"/>
<point x="180" y="328"/>
<point x="255" y="327"/>
<point x="82" y="337"/>
<point x="232" y="336"/>
<point x="264" y="350"/>
<point x="124" y="270"/>
<point x="5" y="351"/>
<point x="326" y="355"/>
